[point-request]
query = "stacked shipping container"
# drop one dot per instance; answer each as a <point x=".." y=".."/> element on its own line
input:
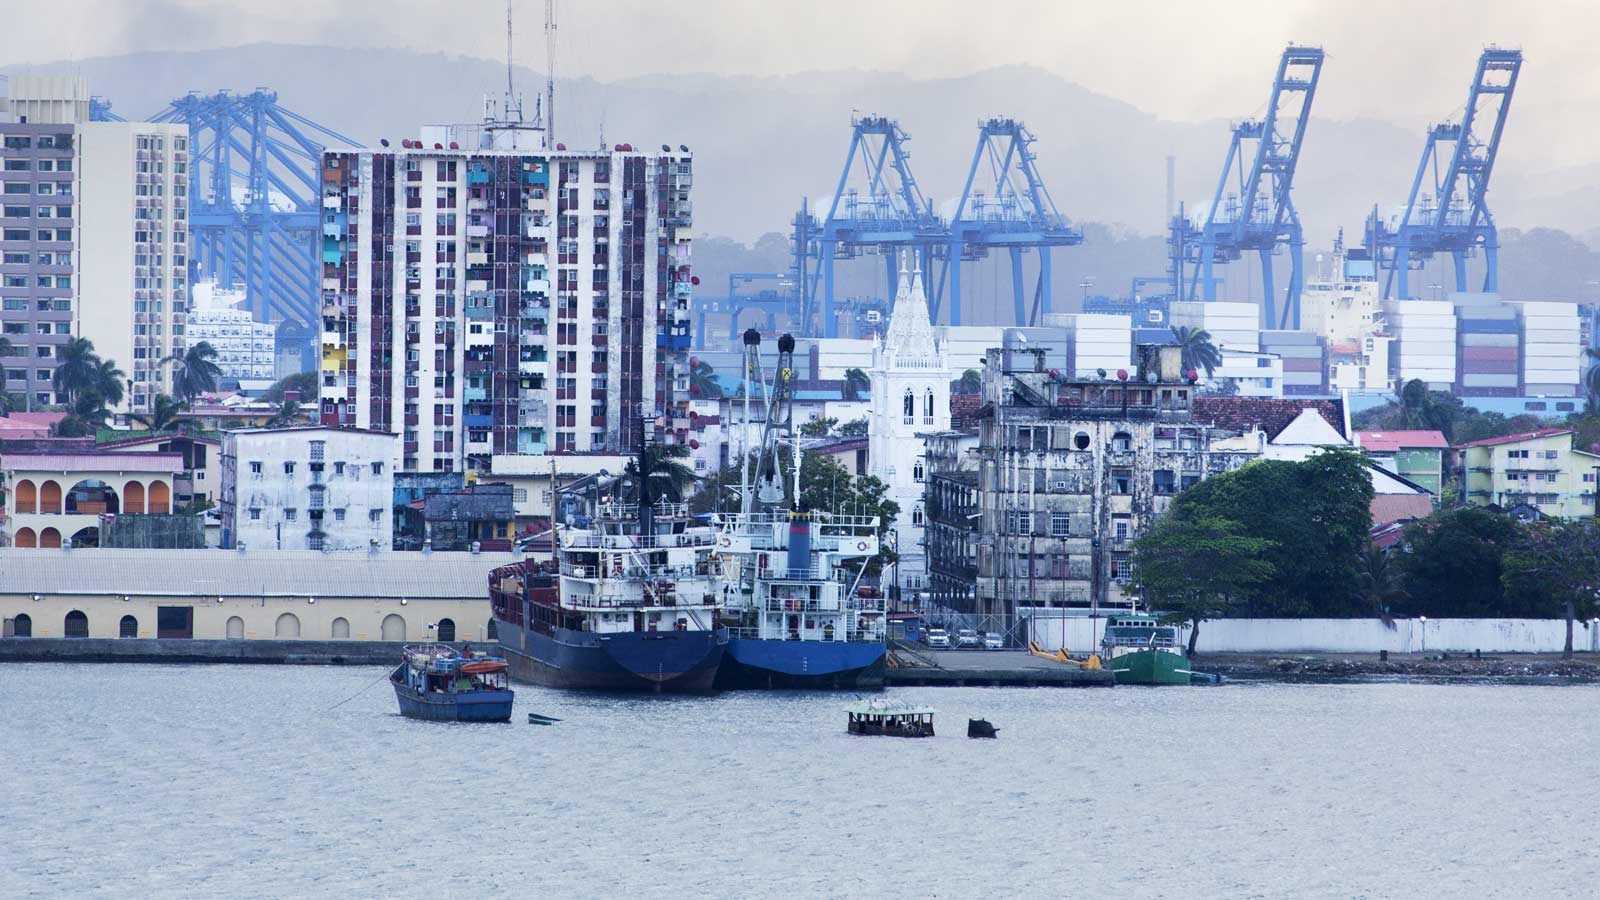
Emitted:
<point x="1425" y="339"/>
<point x="1552" y="347"/>
<point x="1305" y="361"/>
<point x="1488" y="346"/>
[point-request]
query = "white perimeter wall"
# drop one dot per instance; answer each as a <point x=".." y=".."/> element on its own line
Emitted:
<point x="1081" y="634"/>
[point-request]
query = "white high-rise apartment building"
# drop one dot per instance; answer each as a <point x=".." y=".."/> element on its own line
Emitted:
<point x="93" y="238"/>
<point x="505" y="300"/>
<point x="246" y="349"/>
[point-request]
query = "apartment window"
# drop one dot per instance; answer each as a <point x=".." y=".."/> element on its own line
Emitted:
<point x="1122" y="481"/>
<point x="1060" y="525"/>
<point x="1165" y="481"/>
<point x="255" y="467"/>
<point x="288" y="468"/>
<point x="1120" y="528"/>
<point x="374" y="516"/>
<point x="338" y="468"/>
<point x="338" y="515"/>
<point x="377" y="468"/>
<point x="289" y="515"/>
<point x="255" y="514"/>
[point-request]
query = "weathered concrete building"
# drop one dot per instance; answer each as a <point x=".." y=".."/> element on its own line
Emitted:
<point x="1068" y="471"/>
<point x="311" y="487"/>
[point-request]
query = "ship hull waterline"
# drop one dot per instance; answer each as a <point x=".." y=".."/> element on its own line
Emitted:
<point x="1150" y="667"/>
<point x="678" y="662"/>
<point x="802" y="665"/>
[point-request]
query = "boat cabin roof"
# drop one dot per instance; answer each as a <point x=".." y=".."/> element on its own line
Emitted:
<point x="882" y="710"/>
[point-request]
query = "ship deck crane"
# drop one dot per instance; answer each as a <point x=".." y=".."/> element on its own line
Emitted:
<point x="884" y="212"/>
<point x="1015" y="214"/>
<point x="1455" y="217"/>
<point x="1257" y="214"/>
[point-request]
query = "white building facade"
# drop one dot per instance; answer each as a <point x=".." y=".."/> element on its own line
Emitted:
<point x="308" y="488"/>
<point x="246" y="349"/>
<point x="910" y="397"/>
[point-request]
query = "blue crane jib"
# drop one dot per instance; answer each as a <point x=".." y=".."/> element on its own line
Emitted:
<point x="255" y="199"/>
<point x="1252" y="209"/>
<point x="1004" y="205"/>
<point x="1447" y="210"/>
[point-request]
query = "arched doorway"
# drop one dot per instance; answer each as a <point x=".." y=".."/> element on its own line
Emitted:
<point x="50" y="497"/>
<point x="447" y="630"/>
<point x="50" y="538"/>
<point x="492" y="631"/>
<point x="92" y="497"/>
<point x="27" y="496"/>
<point x="77" y="625"/>
<point x="288" y="626"/>
<point x="22" y="625"/>
<point x="87" y="537"/>
<point x="133" y="497"/>
<point x="159" y="498"/>
<point x="26" y="538"/>
<point x="128" y="627"/>
<point x="341" y="628"/>
<point x="394" y="628"/>
<point x="235" y="628"/>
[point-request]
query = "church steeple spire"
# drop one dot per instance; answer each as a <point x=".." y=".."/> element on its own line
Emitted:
<point x="910" y="341"/>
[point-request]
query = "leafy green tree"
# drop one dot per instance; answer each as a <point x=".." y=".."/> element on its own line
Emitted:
<point x="853" y="428"/>
<point x="1555" y="569"/>
<point x="856" y="383"/>
<point x="1451" y="563"/>
<point x="1318" y="515"/>
<point x="163" y="414"/>
<point x="1198" y="350"/>
<point x="1193" y="568"/>
<point x="970" y="382"/>
<point x="289" y="413"/>
<point x="819" y="427"/>
<point x="308" y="384"/>
<point x="6" y="349"/>
<point x="193" y="372"/>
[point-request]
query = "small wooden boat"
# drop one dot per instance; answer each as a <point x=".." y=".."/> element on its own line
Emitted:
<point x="981" y="728"/>
<point x="437" y="683"/>
<point x="536" y="719"/>
<point x="879" y="717"/>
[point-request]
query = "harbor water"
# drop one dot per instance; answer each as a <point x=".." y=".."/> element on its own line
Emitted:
<point x="223" y="781"/>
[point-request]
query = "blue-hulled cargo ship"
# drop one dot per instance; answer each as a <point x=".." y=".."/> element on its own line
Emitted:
<point x="800" y="615"/>
<point x="440" y="684"/>
<point x="628" y="604"/>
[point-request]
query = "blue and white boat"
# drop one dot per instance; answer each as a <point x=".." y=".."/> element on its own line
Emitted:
<point x="800" y="616"/>
<point x="437" y="683"/>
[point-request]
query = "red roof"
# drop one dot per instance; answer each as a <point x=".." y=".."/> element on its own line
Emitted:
<point x="1514" y="438"/>
<point x="1269" y="413"/>
<point x="1401" y="440"/>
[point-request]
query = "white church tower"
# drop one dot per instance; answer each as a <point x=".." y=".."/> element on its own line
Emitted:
<point x="910" y="397"/>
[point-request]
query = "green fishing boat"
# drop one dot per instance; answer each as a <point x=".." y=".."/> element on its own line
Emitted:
<point x="1140" y="650"/>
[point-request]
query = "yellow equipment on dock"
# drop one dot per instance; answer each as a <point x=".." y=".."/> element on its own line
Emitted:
<point x="1093" y="662"/>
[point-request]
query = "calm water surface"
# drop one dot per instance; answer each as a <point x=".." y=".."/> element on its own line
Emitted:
<point x="184" y="781"/>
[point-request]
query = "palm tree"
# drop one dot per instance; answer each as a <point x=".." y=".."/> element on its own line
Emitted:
<point x="1198" y="350"/>
<point x="670" y="478"/>
<point x="288" y="413"/>
<point x="163" y="414"/>
<point x="855" y="381"/>
<point x="107" y="382"/>
<point x="5" y="353"/>
<point x="703" y="381"/>
<point x="1380" y="580"/>
<point x="77" y="366"/>
<point x="194" y="373"/>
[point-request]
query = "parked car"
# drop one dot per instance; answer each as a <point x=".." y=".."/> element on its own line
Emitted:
<point x="967" y="639"/>
<point x="993" y="641"/>
<point x="938" y="639"/>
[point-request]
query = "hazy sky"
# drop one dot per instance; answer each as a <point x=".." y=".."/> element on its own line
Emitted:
<point x="1401" y="60"/>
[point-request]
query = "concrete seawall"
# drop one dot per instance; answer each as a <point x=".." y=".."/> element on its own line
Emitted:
<point x="184" y="650"/>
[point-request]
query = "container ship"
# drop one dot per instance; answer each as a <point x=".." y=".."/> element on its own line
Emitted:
<point x="629" y="603"/>
<point x="799" y="614"/>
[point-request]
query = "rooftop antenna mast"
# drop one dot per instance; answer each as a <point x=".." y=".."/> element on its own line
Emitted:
<point x="550" y="72"/>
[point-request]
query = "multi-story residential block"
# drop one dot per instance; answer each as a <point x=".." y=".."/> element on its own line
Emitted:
<point x="312" y="487"/>
<point x="1414" y="455"/>
<point x="503" y="301"/>
<point x="93" y="238"/>
<point x="246" y="349"/>
<point x="1538" y="468"/>
<point x="1071" y="470"/>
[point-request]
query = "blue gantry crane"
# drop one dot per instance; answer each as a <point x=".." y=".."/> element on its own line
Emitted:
<point x="1455" y="217"/>
<point x="885" y="212"/>
<point x="255" y="198"/>
<point x="1004" y="205"/>
<point x="1257" y="213"/>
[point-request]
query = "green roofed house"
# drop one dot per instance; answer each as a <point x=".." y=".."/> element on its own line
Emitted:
<point x="1415" y="455"/>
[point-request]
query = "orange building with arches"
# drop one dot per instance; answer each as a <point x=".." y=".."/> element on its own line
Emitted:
<point x="58" y="499"/>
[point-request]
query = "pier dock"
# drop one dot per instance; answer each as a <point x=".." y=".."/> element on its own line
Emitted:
<point x="977" y="668"/>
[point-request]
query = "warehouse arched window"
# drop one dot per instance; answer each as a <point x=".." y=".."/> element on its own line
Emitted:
<point x="288" y="626"/>
<point x="77" y="625"/>
<point x="447" y="630"/>
<point x="128" y="627"/>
